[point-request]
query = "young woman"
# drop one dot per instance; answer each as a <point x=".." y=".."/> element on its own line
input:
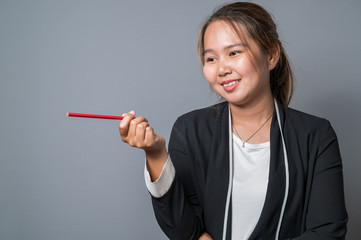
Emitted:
<point x="249" y="167"/>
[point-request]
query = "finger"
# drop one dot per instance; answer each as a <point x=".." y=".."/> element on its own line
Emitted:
<point x="132" y="129"/>
<point x="124" y="124"/>
<point x="205" y="236"/>
<point x="140" y="134"/>
<point x="144" y="126"/>
<point x="140" y="119"/>
<point x="149" y="138"/>
<point x="127" y="117"/>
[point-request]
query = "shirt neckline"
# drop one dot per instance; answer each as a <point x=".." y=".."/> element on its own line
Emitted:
<point x="251" y="145"/>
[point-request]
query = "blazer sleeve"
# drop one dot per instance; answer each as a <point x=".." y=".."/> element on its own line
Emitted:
<point x="326" y="216"/>
<point x="179" y="212"/>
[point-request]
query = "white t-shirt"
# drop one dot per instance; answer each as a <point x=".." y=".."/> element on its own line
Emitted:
<point x="250" y="180"/>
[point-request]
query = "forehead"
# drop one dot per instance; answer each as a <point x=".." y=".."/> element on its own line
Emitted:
<point x="223" y="33"/>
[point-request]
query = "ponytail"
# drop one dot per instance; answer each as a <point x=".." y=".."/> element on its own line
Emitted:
<point x="282" y="79"/>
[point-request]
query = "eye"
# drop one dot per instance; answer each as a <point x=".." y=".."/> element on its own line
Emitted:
<point x="234" y="53"/>
<point x="210" y="59"/>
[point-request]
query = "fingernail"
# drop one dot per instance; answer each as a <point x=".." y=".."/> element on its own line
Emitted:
<point x="132" y="112"/>
<point x="123" y="114"/>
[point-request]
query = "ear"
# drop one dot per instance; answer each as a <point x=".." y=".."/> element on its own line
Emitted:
<point x="273" y="56"/>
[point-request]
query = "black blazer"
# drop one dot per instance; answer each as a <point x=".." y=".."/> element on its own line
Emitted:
<point x="199" y="149"/>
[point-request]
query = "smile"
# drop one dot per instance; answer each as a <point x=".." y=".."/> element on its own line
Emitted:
<point x="230" y="85"/>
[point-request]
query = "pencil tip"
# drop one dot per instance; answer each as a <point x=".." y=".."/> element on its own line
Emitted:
<point x="67" y="114"/>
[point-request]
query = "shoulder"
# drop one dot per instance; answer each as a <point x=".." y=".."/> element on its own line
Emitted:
<point x="207" y="112"/>
<point x="204" y="116"/>
<point x="200" y="125"/>
<point x="304" y="120"/>
<point x="309" y="127"/>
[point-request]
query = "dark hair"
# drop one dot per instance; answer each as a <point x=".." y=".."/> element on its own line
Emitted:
<point x="262" y="29"/>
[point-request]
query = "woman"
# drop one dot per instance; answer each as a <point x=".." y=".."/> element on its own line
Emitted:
<point x="249" y="167"/>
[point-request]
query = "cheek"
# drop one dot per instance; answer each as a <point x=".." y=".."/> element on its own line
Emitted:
<point x="210" y="74"/>
<point x="244" y="65"/>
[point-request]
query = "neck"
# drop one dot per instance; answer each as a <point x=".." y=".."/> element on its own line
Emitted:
<point x="252" y="113"/>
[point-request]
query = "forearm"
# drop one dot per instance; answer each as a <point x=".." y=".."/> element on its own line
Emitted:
<point x="161" y="185"/>
<point x="177" y="215"/>
<point x="179" y="211"/>
<point x="155" y="162"/>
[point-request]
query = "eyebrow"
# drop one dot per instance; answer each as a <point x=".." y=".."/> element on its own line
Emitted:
<point x="225" y="48"/>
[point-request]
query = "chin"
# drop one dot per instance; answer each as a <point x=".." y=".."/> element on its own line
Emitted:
<point x="234" y="97"/>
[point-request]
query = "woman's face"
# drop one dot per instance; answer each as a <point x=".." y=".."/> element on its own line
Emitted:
<point x="229" y="69"/>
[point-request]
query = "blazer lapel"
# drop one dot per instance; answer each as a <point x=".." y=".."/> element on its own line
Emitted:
<point x="218" y="175"/>
<point x="267" y="224"/>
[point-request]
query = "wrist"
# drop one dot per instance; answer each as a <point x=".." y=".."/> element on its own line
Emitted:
<point x="156" y="155"/>
<point x="155" y="162"/>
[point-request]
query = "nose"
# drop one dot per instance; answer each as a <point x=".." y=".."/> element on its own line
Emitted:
<point x="223" y="68"/>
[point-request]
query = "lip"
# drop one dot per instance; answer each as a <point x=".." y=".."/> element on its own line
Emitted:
<point x="232" y="87"/>
<point x="228" y="81"/>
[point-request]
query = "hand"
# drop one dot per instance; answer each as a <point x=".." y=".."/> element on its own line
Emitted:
<point x="205" y="236"/>
<point x="138" y="133"/>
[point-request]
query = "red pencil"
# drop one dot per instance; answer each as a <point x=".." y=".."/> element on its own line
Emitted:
<point x="84" y="115"/>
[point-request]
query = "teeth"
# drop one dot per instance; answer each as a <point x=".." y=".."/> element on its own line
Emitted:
<point x="230" y="83"/>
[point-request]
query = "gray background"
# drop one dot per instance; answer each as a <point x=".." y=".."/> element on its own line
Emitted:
<point x="63" y="178"/>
